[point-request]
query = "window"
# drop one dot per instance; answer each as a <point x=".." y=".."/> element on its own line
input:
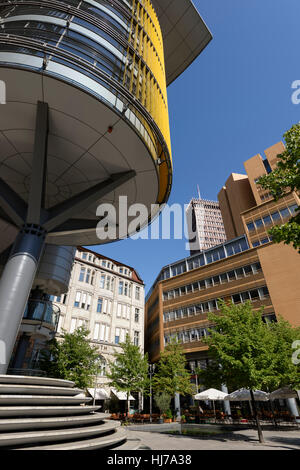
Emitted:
<point x="99" y="305"/>
<point x="258" y="223"/>
<point x="73" y="325"/>
<point x="136" y="339"/>
<point x="293" y="208"/>
<point x="82" y="274"/>
<point x="223" y="278"/>
<point x="96" y="330"/>
<point x="119" y="311"/>
<point x="239" y="273"/>
<point x="267" y="220"/>
<point x="77" y="299"/>
<point x="254" y="294"/>
<point x="137" y="293"/>
<point x="84" y="256"/>
<point x="264" y="241"/>
<point x="121" y="287"/>
<point x="102" y="281"/>
<point x="247" y="270"/>
<point x="250" y="226"/>
<point x="284" y="212"/>
<point x="103" y="263"/>
<point x="231" y="275"/>
<point x="236" y="298"/>
<point x="60" y="323"/>
<point x="117" y="336"/>
<point x="275" y="216"/>
<point x="256" y="243"/>
<point x="264" y="292"/>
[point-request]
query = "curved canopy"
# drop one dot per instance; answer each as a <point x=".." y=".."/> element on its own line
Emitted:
<point x="185" y="34"/>
<point x="243" y="394"/>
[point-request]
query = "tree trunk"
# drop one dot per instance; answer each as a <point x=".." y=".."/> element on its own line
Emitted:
<point x="259" y="430"/>
<point x="128" y="405"/>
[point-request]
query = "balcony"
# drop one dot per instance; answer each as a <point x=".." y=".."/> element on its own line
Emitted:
<point x="42" y="311"/>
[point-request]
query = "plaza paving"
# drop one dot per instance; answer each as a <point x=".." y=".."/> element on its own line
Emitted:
<point x="243" y="439"/>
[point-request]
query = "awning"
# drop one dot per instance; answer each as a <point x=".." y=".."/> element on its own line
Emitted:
<point x="121" y="395"/>
<point x="98" y="393"/>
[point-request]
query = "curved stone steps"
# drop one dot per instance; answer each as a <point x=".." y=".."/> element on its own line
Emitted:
<point x="130" y="444"/>
<point x="42" y="400"/>
<point x="19" y="424"/>
<point x="32" y="380"/>
<point x="22" y="411"/>
<point x="13" y="440"/>
<point x="15" y="389"/>
<point x="104" y="442"/>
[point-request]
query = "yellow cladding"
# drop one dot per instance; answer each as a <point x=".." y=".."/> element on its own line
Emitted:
<point x="144" y="73"/>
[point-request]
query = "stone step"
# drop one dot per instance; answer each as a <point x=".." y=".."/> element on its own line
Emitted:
<point x="102" y="442"/>
<point x="42" y="400"/>
<point x="12" y="440"/>
<point x="19" y="424"/>
<point x="16" y="389"/>
<point x="20" y="411"/>
<point x="131" y="444"/>
<point x="30" y="380"/>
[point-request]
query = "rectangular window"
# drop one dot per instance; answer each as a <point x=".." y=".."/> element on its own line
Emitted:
<point x="264" y="241"/>
<point x="121" y="287"/>
<point x="117" y="336"/>
<point x="96" y="330"/>
<point x="258" y="223"/>
<point x="73" y="325"/>
<point x="236" y="298"/>
<point x="107" y="330"/>
<point x="81" y="275"/>
<point x="137" y="293"/>
<point x="84" y="256"/>
<point x="284" y="212"/>
<point x="124" y="311"/>
<point x="102" y="281"/>
<point x="136" y="338"/>
<point x="195" y="286"/>
<point x="119" y="311"/>
<point x="88" y="302"/>
<point x="122" y="336"/>
<point x="60" y="323"/>
<point x="254" y="294"/>
<point x="99" y="305"/>
<point x="137" y="315"/>
<point x="263" y="292"/>
<point x="256" y="243"/>
<point x="250" y="226"/>
<point x="267" y="220"/>
<point x="77" y="299"/>
<point x="245" y="296"/>
<point x="247" y="270"/>
<point x="102" y="332"/>
<point x="231" y="275"/>
<point x="209" y="282"/>
<point x="88" y="275"/>
<point x="275" y="216"/>
<point x="83" y="300"/>
<point x="189" y="288"/>
<point x="293" y="208"/>
<point x="239" y="273"/>
<point x="223" y="278"/>
<point x="105" y="306"/>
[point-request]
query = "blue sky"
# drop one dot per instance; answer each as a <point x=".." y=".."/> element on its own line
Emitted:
<point x="232" y="103"/>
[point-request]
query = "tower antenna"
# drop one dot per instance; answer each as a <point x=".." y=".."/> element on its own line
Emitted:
<point x="198" y="191"/>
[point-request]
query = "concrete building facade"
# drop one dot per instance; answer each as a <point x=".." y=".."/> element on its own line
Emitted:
<point x="247" y="267"/>
<point x="205" y="225"/>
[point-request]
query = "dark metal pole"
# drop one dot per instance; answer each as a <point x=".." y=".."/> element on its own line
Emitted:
<point x="259" y="430"/>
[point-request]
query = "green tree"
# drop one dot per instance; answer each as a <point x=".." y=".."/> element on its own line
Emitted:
<point x="71" y="358"/>
<point x="248" y="353"/>
<point x="284" y="178"/>
<point x="128" y="372"/>
<point x="162" y="401"/>
<point x="172" y="376"/>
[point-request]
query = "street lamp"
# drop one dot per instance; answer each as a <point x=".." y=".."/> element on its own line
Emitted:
<point x="151" y="372"/>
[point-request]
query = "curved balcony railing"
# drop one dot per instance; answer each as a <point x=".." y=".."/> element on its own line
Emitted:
<point x="44" y="311"/>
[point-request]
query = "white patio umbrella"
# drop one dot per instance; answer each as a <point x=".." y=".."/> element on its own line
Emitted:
<point x="243" y="394"/>
<point x="283" y="393"/>
<point x="211" y="394"/>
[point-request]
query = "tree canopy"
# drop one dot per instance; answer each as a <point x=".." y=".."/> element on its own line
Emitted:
<point x="128" y="372"/>
<point x="172" y="376"/>
<point x="286" y="177"/>
<point x="71" y="358"/>
<point x="247" y="352"/>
